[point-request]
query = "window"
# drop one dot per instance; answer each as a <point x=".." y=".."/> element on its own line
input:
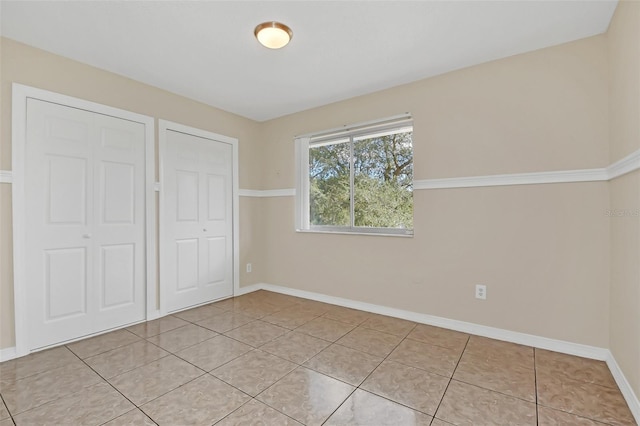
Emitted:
<point x="358" y="179"/>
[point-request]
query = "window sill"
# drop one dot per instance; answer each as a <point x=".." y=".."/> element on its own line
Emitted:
<point x="368" y="234"/>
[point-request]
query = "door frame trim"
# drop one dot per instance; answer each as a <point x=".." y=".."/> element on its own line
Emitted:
<point x="20" y="94"/>
<point x="163" y="127"/>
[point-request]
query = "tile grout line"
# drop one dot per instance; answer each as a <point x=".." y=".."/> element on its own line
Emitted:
<point x="5" y="406"/>
<point x="108" y="350"/>
<point x="367" y="376"/>
<point x="253" y="398"/>
<point x="358" y="387"/>
<point x="535" y="386"/>
<point x="451" y="378"/>
<point x="108" y="383"/>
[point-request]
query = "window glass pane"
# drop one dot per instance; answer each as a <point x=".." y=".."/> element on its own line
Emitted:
<point x="329" y="193"/>
<point x="383" y="179"/>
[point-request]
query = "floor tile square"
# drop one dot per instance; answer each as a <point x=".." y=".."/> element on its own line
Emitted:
<point x="499" y="351"/>
<point x="93" y="405"/>
<point x="573" y="367"/>
<point x="134" y="417"/>
<point x="510" y="379"/>
<point x="389" y="325"/>
<point x="254" y="371"/>
<point x="583" y="399"/>
<point x="325" y="328"/>
<point x="438" y="422"/>
<point x="279" y="300"/>
<point x="370" y="341"/>
<point x="200" y="313"/>
<point x="365" y="409"/>
<point x="256" y="333"/>
<point x="225" y="304"/>
<point x="344" y="364"/>
<point x="415" y="388"/>
<point x="120" y="360"/>
<point x="225" y="322"/>
<point x="35" y="363"/>
<point x="257" y="310"/>
<point x="33" y="391"/>
<point x="307" y="396"/>
<point x="313" y="307"/>
<point x="6" y="422"/>
<point x="203" y="401"/>
<point x="214" y="352"/>
<point x="102" y="343"/>
<point x="154" y="379"/>
<point x="289" y="318"/>
<point x="151" y="328"/>
<point x="465" y="404"/>
<point x="348" y="315"/>
<point x="295" y="347"/>
<point x="181" y="338"/>
<point x="550" y="417"/>
<point x="4" y="413"/>
<point x="256" y="413"/>
<point x="436" y="359"/>
<point x="439" y="337"/>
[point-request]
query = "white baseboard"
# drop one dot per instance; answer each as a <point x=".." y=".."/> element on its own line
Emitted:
<point x="154" y="314"/>
<point x="249" y="289"/>
<point x="8" y="353"/>
<point x="466" y="327"/>
<point x="626" y="389"/>
<point x="539" y="342"/>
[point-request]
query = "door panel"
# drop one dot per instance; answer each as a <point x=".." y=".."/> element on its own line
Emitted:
<point x="66" y="181"/>
<point x="216" y="197"/>
<point x="118" y="193"/>
<point x="58" y="194"/>
<point x="197" y="221"/>
<point x="118" y="278"/>
<point x="118" y="232"/>
<point x="65" y="283"/>
<point x="187" y="265"/>
<point x="84" y="190"/>
<point x="217" y="248"/>
<point x="187" y="192"/>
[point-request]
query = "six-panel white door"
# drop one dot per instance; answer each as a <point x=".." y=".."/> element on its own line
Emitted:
<point x="196" y="226"/>
<point x="85" y="233"/>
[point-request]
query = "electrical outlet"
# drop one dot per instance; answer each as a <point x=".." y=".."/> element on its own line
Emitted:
<point x="481" y="291"/>
<point x="248" y="268"/>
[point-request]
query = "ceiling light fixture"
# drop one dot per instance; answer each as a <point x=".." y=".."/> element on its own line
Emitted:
<point x="273" y="35"/>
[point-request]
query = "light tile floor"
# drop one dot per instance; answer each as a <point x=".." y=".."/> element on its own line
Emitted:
<point x="270" y="359"/>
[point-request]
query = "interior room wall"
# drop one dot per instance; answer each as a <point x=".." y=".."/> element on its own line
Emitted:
<point x="623" y="40"/>
<point x="34" y="67"/>
<point x="542" y="250"/>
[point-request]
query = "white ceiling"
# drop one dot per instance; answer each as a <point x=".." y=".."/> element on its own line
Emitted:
<point x="205" y="50"/>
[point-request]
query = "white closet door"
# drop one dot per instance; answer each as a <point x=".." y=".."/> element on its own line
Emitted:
<point x="119" y="231"/>
<point x="196" y="264"/>
<point x="84" y="178"/>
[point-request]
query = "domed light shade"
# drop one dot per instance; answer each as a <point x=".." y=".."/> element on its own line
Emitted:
<point x="273" y="35"/>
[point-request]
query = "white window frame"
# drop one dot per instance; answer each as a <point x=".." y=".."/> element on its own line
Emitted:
<point x="302" y="144"/>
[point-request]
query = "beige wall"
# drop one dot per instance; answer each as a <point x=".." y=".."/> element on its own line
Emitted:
<point x="37" y="68"/>
<point x="624" y="57"/>
<point x="541" y="111"/>
<point x="542" y="250"/>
